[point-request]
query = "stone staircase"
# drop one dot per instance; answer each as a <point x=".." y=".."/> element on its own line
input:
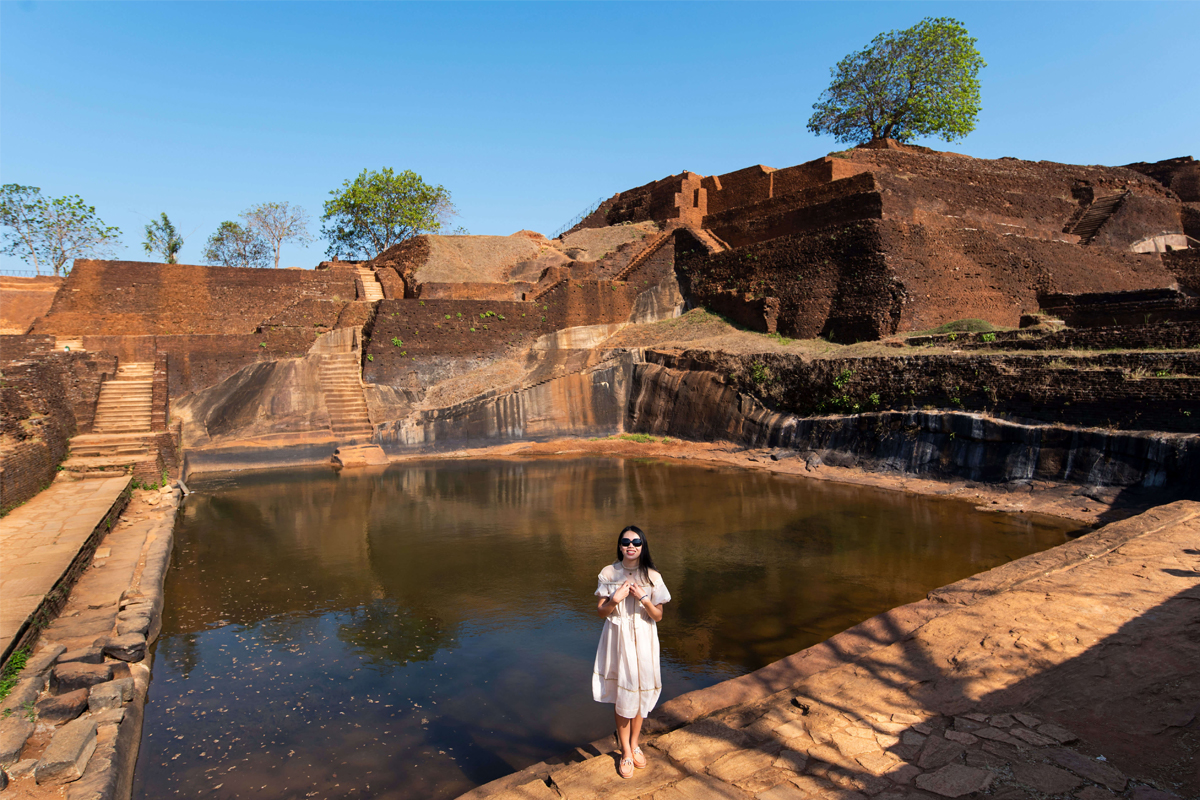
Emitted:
<point x="121" y="435"/>
<point x="341" y="383"/>
<point x="371" y="287"/>
<point x="647" y="251"/>
<point x="1096" y="215"/>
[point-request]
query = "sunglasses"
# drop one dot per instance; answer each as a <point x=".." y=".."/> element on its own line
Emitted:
<point x="631" y="543"/>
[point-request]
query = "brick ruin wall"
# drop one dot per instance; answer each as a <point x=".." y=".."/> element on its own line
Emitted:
<point x="23" y="300"/>
<point x="139" y="298"/>
<point x="46" y="398"/>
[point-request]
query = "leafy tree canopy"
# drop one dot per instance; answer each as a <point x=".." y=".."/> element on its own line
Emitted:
<point x="235" y="246"/>
<point x="377" y="210"/>
<point x="162" y="239"/>
<point x="277" y="223"/>
<point x="51" y="232"/>
<point x="922" y="81"/>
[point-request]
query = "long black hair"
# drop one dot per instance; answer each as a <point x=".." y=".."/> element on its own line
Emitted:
<point x="645" y="561"/>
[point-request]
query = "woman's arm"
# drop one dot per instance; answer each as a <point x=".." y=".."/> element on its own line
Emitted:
<point x="642" y="594"/>
<point x="609" y="604"/>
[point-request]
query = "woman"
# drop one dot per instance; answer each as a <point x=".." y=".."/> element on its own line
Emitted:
<point x="631" y="595"/>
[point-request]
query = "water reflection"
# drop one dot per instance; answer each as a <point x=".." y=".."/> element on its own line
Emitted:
<point x="415" y="631"/>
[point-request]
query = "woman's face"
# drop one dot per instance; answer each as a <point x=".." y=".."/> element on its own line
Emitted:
<point x="629" y="550"/>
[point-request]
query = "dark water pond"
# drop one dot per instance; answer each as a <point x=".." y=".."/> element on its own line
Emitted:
<point x="411" y="633"/>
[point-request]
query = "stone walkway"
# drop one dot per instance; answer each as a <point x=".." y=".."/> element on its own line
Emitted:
<point x="1068" y="674"/>
<point x="40" y="540"/>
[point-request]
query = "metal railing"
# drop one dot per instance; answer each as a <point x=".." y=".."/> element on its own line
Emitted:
<point x="578" y="218"/>
<point x="23" y="273"/>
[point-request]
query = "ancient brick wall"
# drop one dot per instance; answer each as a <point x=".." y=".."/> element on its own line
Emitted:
<point x="473" y="291"/>
<point x="23" y="300"/>
<point x="1139" y="217"/>
<point x="834" y="282"/>
<point x="1184" y="265"/>
<point x="849" y="200"/>
<point x="45" y="399"/>
<point x="412" y="340"/>
<point x="135" y="298"/>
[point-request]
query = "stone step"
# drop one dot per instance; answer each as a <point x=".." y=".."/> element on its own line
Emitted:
<point x="122" y="428"/>
<point x="89" y="463"/>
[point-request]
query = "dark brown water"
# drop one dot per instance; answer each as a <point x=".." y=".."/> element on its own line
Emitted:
<point x="411" y="633"/>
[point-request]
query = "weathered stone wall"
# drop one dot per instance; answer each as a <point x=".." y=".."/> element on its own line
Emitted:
<point x="138" y="298"/>
<point x="589" y="403"/>
<point x="196" y="362"/>
<point x="1133" y="391"/>
<point x="46" y="398"/>
<point x="23" y="300"/>
<point x="675" y="397"/>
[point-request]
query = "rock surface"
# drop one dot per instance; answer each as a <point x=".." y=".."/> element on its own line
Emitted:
<point x="67" y="756"/>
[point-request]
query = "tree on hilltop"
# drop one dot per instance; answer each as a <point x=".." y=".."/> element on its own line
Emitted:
<point x="51" y="232"/>
<point x="922" y="81"/>
<point x="380" y="209"/>
<point x="236" y="246"/>
<point x="162" y="239"/>
<point x="277" y="223"/>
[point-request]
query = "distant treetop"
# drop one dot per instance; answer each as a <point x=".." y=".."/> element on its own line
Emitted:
<point x="922" y="81"/>
<point x="377" y="210"/>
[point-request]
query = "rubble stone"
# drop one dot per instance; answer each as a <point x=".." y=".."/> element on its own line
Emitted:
<point x="67" y="755"/>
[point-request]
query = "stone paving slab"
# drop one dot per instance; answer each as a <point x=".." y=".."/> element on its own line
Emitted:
<point x="1076" y="681"/>
<point x="40" y="539"/>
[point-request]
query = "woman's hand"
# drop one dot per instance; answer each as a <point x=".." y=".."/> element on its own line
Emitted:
<point x="621" y="593"/>
<point x="637" y="591"/>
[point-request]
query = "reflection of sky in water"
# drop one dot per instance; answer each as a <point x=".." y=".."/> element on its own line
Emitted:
<point x="415" y="632"/>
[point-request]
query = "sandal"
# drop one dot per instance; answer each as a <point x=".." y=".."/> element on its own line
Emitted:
<point x="639" y="758"/>
<point x="625" y="770"/>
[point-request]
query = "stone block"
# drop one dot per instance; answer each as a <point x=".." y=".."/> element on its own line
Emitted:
<point x="112" y="716"/>
<point x="961" y="738"/>
<point x="1058" y="733"/>
<point x="1094" y="793"/>
<point x="791" y="760"/>
<point x="14" y="731"/>
<point x="22" y="768"/>
<point x="955" y="780"/>
<point x="596" y="779"/>
<point x="57" y="709"/>
<point x="1028" y="720"/>
<point x="74" y="675"/>
<point x="83" y="655"/>
<point x="66" y="757"/>
<point x="938" y="752"/>
<point x="128" y="623"/>
<point x="1031" y="737"/>
<point x="1095" y="771"/>
<point x="783" y="791"/>
<point x="106" y="696"/>
<point x="903" y="774"/>
<point x="1045" y="778"/>
<point x="1150" y="793"/>
<point x="129" y="647"/>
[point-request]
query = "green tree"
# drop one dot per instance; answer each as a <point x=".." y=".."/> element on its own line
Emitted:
<point x="51" y="232"/>
<point x="277" y="223"/>
<point x="380" y="209"/>
<point x="162" y="239"/>
<point x="923" y="81"/>
<point x="235" y="246"/>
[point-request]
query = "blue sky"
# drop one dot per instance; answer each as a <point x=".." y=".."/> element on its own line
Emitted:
<point x="527" y="113"/>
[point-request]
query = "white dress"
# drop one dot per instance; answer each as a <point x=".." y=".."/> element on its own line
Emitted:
<point x="626" y="671"/>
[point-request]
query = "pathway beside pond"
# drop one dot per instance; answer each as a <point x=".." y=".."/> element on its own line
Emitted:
<point x="1069" y="673"/>
<point x="44" y="541"/>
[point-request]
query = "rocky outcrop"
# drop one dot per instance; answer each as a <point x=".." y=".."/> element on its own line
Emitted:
<point x="700" y="404"/>
<point x="585" y="403"/>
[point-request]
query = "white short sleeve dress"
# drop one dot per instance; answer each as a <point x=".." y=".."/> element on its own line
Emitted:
<point x="626" y="671"/>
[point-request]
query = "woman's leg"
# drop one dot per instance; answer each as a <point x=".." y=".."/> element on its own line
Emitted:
<point x="623" y="735"/>
<point x="635" y="730"/>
